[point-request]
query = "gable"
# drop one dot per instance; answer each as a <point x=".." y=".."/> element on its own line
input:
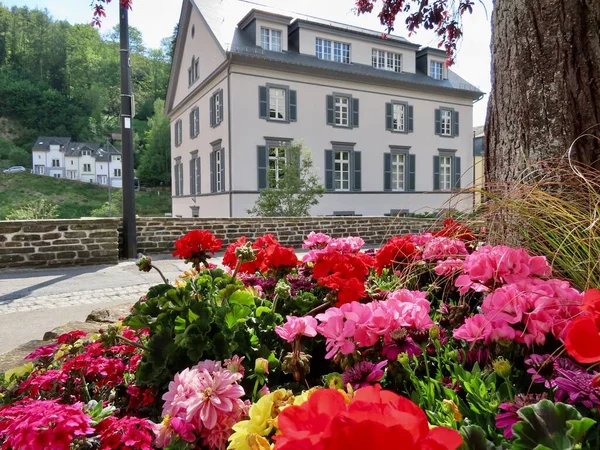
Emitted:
<point x="195" y="39"/>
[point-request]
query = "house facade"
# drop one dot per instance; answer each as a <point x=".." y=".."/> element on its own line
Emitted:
<point x="389" y="127"/>
<point x="80" y="161"/>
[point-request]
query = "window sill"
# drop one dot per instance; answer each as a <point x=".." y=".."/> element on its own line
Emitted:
<point x="270" y="119"/>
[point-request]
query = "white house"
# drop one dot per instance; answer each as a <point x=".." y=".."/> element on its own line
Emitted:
<point x="81" y="161"/>
<point x="388" y="125"/>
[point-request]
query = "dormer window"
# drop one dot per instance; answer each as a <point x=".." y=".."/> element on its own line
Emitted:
<point x="387" y="60"/>
<point x="270" y="39"/>
<point x="435" y="70"/>
<point x="193" y="72"/>
<point x="332" y="50"/>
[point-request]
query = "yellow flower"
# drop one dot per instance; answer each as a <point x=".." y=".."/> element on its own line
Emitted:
<point x="260" y="420"/>
<point x="256" y="442"/>
<point x="454" y="408"/>
<point x="180" y="284"/>
<point x="191" y="273"/>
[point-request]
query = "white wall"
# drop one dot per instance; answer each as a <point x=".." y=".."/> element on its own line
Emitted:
<point x="116" y="164"/>
<point x="52" y="154"/>
<point x="361" y="51"/>
<point x="87" y="176"/>
<point x="72" y="164"/>
<point x="39" y="158"/>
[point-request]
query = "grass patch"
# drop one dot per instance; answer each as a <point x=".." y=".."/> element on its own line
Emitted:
<point x="74" y="199"/>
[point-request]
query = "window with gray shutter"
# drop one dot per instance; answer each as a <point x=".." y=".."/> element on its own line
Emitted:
<point x="389" y="116"/>
<point x="457" y="172"/>
<point x="355" y="112"/>
<point x="194" y="123"/>
<point x="399" y="169"/>
<point x="410" y="113"/>
<point x="293" y="100"/>
<point x="446" y="122"/>
<point x="263" y="109"/>
<point x="213" y="187"/>
<point x="277" y="103"/>
<point x="329" y="164"/>
<point x="387" y="171"/>
<point x="192" y="177"/>
<point x="446" y="170"/>
<point x="438" y="121"/>
<point x="330" y="110"/>
<point x="436" y="173"/>
<point x="412" y="165"/>
<point x="455" y="126"/>
<point x="262" y="161"/>
<point x="399" y="117"/>
<point x="216" y="108"/>
<point x="178" y="133"/>
<point x="357" y="179"/>
<point x="222" y="180"/>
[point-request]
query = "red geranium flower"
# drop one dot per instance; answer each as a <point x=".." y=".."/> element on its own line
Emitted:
<point x="345" y="273"/>
<point x="374" y="418"/>
<point x="196" y="245"/>
<point x="455" y="230"/>
<point x="269" y="253"/>
<point x="71" y="337"/>
<point x="397" y="250"/>
<point x="583" y="333"/>
<point x="126" y="433"/>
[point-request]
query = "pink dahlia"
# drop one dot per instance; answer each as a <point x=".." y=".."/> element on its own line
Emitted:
<point x="43" y="424"/>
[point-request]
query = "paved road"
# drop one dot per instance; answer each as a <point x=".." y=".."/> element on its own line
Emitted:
<point x="37" y="300"/>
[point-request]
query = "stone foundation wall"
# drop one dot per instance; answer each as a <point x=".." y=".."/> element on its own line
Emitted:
<point x="156" y="235"/>
<point x="53" y="243"/>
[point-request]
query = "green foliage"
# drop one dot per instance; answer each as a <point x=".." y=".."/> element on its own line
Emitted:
<point x="155" y="166"/>
<point x="297" y="190"/>
<point x="39" y="208"/>
<point x="550" y="426"/>
<point x="19" y="157"/>
<point x="74" y="199"/>
<point x="211" y="316"/>
<point x="114" y="208"/>
<point x="63" y="79"/>
<point x="474" y="438"/>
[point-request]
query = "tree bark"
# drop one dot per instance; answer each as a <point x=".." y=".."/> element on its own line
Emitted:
<point x="545" y="89"/>
<point x="545" y="84"/>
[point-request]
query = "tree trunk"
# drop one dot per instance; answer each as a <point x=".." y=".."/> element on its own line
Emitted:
<point x="545" y="89"/>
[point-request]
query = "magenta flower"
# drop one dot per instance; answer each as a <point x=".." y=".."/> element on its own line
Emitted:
<point x="126" y="433"/>
<point x="448" y="267"/>
<point x="579" y="386"/>
<point x="173" y="426"/>
<point x="45" y="351"/>
<point x="441" y="248"/>
<point x="364" y="373"/>
<point x="297" y="326"/>
<point x="509" y="417"/>
<point x="235" y="364"/>
<point x="337" y="332"/>
<point x="43" y="424"/>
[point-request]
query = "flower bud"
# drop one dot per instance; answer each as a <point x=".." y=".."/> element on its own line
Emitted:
<point x="403" y="358"/>
<point x="283" y="289"/>
<point x="245" y="253"/>
<point x="144" y="263"/>
<point x="434" y="332"/>
<point x="502" y="367"/>
<point x="261" y="366"/>
<point x="263" y="391"/>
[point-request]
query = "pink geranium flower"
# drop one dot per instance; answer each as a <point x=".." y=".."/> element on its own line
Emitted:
<point x="475" y="328"/>
<point x="338" y="332"/>
<point x="297" y="326"/>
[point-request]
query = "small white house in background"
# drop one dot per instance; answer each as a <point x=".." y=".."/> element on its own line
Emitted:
<point x="80" y="161"/>
<point x="389" y="126"/>
<point x="48" y="156"/>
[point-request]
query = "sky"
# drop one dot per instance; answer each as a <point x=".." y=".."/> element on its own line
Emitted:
<point x="156" y="20"/>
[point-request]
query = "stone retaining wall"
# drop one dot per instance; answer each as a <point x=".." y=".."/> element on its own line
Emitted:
<point x="156" y="235"/>
<point x="50" y="243"/>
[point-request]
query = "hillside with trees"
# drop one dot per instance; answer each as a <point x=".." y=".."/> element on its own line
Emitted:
<point x="60" y="79"/>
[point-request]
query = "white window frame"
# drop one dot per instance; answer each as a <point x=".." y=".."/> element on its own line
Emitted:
<point x="277" y="103"/>
<point x="271" y="39"/>
<point x="445" y="122"/>
<point x="341" y="110"/>
<point x="386" y="60"/>
<point x="436" y="70"/>
<point x="195" y="175"/>
<point x="332" y="50"/>
<point x="446" y="172"/>
<point x="116" y="158"/>
<point x="399" y="117"/>
<point x="217" y="103"/>
<point x="341" y="167"/>
<point x="398" y="178"/>
<point x="195" y="122"/>
<point x="118" y="173"/>
<point x="218" y="180"/>
<point x="178" y="133"/>
<point x="277" y="163"/>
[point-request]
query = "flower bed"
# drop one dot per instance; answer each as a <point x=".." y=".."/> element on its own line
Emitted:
<point x="433" y="341"/>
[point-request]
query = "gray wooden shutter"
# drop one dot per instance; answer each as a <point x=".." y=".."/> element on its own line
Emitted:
<point x="192" y="124"/>
<point x="213" y="180"/>
<point x="357" y="185"/>
<point x="355" y="112"/>
<point x="221" y="106"/>
<point x="181" y="178"/>
<point x="262" y="102"/>
<point x="198" y="176"/>
<point x="438" y="121"/>
<point x="222" y="170"/>
<point x="457" y="172"/>
<point x="436" y="173"/>
<point x="293" y="112"/>
<point x="329" y="175"/>
<point x="455" y="123"/>
<point x="263" y="159"/>
<point x="389" y="119"/>
<point x="192" y="180"/>
<point x="410" y="121"/>
<point x="176" y="179"/>
<point x="412" y="165"/>
<point x="387" y="170"/>
<point x="212" y="110"/>
<point x="330" y="111"/>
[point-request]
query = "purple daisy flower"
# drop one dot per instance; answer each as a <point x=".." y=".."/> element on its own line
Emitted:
<point x="541" y="369"/>
<point x="579" y="387"/>
<point x="364" y="373"/>
<point x="509" y="417"/>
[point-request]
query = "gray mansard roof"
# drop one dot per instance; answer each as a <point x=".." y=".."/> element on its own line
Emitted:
<point x="99" y="151"/>
<point x="44" y="143"/>
<point x="226" y="22"/>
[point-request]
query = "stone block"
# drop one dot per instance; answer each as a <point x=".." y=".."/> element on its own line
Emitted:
<point x="65" y="255"/>
<point x="50" y="236"/>
<point x="7" y="228"/>
<point x="12" y="251"/>
<point x="62" y="248"/>
<point x="66" y="242"/>
<point x="38" y="228"/>
<point x="103" y="234"/>
<point x="75" y="234"/>
<point x="42" y="257"/>
<point x="11" y="258"/>
<point x="13" y="244"/>
<point x="26" y="237"/>
<point x="41" y="244"/>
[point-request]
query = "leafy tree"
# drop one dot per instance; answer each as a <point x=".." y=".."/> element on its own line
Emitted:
<point x="19" y="157"/>
<point x="39" y="208"/>
<point x="296" y="190"/>
<point x="114" y="208"/>
<point x="155" y="166"/>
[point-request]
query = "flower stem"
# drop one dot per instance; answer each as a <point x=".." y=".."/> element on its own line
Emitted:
<point x="135" y="344"/>
<point x="86" y="392"/>
<point x="160" y="273"/>
<point x="237" y="268"/>
<point x="318" y="309"/>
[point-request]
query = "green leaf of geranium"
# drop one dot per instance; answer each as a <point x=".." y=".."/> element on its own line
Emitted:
<point x="551" y="426"/>
<point x="242" y="298"/>
<point x="474" y="438"/>
<point x="238" y="314"/>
